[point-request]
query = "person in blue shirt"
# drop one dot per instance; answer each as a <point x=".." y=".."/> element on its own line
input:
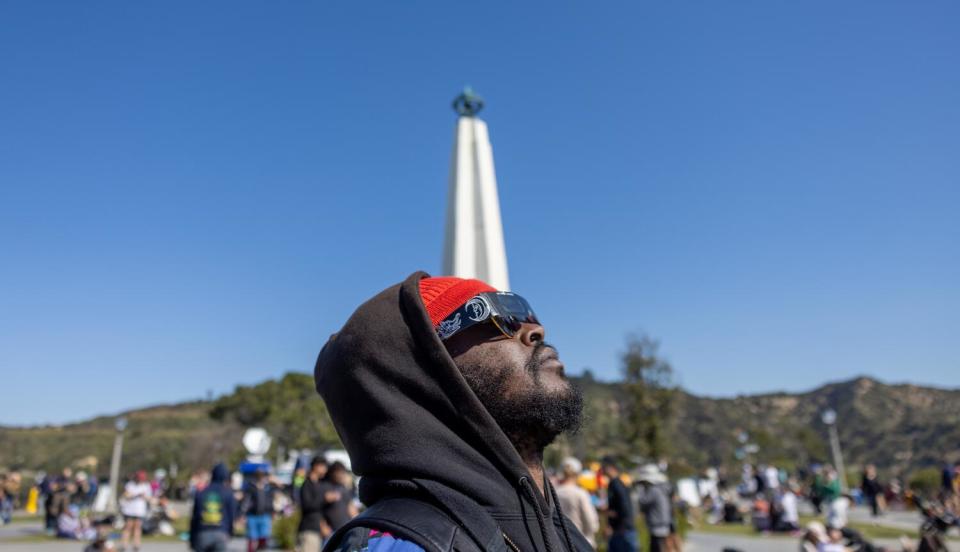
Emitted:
<point x="257" y="508"/>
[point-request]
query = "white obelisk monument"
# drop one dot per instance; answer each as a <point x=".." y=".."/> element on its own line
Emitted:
<point x="473" y="243"/>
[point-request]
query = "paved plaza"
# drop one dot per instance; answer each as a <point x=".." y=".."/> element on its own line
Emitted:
<point x="697" y="542"/>
<point x="66" y="546"/>
<point x="22" y="536"/>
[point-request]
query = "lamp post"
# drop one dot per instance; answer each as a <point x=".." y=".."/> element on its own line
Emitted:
<point x="120" y="425"/>
<point x="829" y="418"/>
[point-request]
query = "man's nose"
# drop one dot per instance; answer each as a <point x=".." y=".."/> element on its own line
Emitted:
<point x="531" y="334"/>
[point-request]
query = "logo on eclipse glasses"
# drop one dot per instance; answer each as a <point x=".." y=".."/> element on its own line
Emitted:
<point x="449" y="327"/>
<point x="477" y="309"/>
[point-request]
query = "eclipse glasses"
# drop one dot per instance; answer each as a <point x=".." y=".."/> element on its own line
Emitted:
<point x="507" y="311"/>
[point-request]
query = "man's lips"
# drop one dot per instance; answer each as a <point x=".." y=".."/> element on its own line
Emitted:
<point x="550" y="359"/>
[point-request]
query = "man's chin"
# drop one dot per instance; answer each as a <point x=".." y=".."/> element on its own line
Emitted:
<point x="566" y="408"/>
<point x="543" y="413"/>
<point x="555" y="384"/>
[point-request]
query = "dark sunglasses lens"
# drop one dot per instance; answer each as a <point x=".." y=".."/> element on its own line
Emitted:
<point x="513" y="311"/>
<point x="523" y="311"/>
<point x="509" y="324"/>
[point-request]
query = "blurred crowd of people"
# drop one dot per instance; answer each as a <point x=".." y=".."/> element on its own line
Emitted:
<point x="322" y="496"/>
<point x="70" y="502"/>
<point x="321" y="493"/>
<point x="768" y="498"/>
<point x="9" y="493"/>
<point x="66" y="498"/>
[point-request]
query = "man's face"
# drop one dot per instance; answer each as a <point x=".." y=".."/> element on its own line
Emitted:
<point x="342" y="477"/>
<point x="520" y="380"/>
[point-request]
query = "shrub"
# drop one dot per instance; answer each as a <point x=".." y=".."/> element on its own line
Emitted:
<point x="925" y="481"/>
<point x="285" y="531"/>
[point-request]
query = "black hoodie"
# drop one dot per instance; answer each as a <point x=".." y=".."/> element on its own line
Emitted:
<point x="214" y="508"/>
<point x="412" y="425"/>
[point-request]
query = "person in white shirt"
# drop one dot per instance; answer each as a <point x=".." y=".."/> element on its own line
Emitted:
<point x="771" y="478"/>
<point x="575" y="501"/>
<point x="133" y="505"/>
<point x="837" y="513"/>
<point x="789" y="519"/>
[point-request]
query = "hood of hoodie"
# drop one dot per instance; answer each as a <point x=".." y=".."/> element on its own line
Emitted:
<point x="219" y="474"/>
<point x="404" y="412"/>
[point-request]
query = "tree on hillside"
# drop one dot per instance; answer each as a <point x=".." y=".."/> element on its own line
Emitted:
<point x="289" y="409"/>
<point x="648" y="381"/>
<point x="602" y="433"/>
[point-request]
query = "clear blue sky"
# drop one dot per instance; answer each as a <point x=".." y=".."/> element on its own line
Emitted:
<point x="194" y="195"/>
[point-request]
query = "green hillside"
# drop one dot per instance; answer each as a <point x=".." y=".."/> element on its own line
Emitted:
<point x="158" y="436"/>
<point x="899" y="427"/>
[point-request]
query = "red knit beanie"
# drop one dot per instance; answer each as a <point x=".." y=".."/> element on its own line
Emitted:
<point x="445" y="294"/>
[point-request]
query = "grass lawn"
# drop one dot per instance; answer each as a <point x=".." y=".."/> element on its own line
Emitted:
<point x="23" y="517"/>
<point x="738" y="529"/>
<point x="180" y="525"/>
<point x="39" y="537"/>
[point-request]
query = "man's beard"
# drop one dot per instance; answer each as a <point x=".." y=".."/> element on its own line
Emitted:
<point x="534" y="416"/>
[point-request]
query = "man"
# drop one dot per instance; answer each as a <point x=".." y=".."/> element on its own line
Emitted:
<point x="340" y="510"/>
<point x="6" y="502"/>
<point x="214" y="509"/>
<point x="445" y="394"/>
<point x="620" y="524"/>
<point x="816" y="484"/>
<point x="50" y="486"/>
<point x="771" y="479"/>
<point x="838" y="511"/>
<point x="315" y="494"/>
<point x="789" y="518"/>
<point x="575" y="501"/>
<point x="946" y="480"/>
<point x="872" y="489"/>
<point x="258" y="509"/>
<point x="826" y="487"/>
<point x="950" y="489"/>
<point x="654" y="500"/>
<point x="300" y="474"/>
<point x="84" y="495"/>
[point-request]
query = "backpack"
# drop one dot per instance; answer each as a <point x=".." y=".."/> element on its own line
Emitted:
<point x="437" y="519"/>
<point x="426" y="525"/>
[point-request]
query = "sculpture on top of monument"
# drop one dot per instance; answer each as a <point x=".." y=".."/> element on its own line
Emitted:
<point x="468" y="103"/>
